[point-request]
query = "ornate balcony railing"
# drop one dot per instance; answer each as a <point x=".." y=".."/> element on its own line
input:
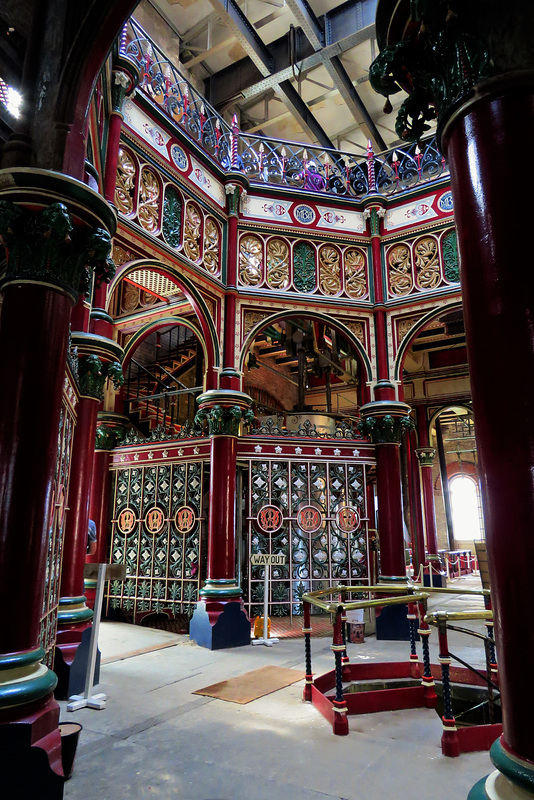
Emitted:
<point x="274" y="162"/>
<point x="343" y="429"/>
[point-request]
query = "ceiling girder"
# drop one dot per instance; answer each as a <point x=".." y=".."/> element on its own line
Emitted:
<point x="263" y="60"/>
<point x="315" y="34"/>
<point x="244" y="80"/>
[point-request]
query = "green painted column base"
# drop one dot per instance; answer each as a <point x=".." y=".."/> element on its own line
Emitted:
<point x="221" y="589"/>
<point x="24" y="679"/>
<point x="478" y="792"/>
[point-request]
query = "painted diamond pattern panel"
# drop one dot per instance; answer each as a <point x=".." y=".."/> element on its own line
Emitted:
<point x="320" y="550"/>
<point x="158" y="532"/>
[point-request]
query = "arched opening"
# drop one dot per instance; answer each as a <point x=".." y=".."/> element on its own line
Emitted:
<point x="163" y="376"/>
<point x="465" y="505"/>
<point x="166" y="354"/>
<point x="298" y="368"/>
<point x="455" y="475"/>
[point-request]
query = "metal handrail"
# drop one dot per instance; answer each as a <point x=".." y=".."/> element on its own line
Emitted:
<point x="415" y="593"/>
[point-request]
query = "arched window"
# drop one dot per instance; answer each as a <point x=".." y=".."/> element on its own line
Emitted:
<point x="465" y="508"/>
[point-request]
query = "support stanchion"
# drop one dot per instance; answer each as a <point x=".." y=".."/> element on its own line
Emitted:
<point x="414" y="658"/>
<point x="307" y="652"/>
<point x="340" y="722"/>
<point x="450" y="745"/>
<point x="266" y="560"/>
<point x="427" y="680"/>
<point x="87" y="699"/>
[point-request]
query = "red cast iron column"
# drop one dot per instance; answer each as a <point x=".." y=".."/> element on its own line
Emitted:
<point x="236" y="189"/>
<point x="414" y="484"/>
<point x="95" y="366"/>
<point x="498" y="311"/>
<point x="110" y="429"/>
<point x="385" y="421"/>
<point x="486" y="115"/>
<point x="425" y="455"/>
<point x="125" y="76"/>
<point x="220" y="620"/>
<point x="53" y="228"/>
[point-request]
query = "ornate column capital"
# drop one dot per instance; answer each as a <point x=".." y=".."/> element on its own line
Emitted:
<point x="236" y="188"/>
<point x="425" y="455"/>
<point x="110" y="430"/>
<point x="441" y="52"/>
<point x="384" y="421"/>
<point x="224" y="410"/>
<point x="125" y="77"/>
<point x="55" y="230"/>
<point x="374" y="213"/>
<point x="99" y="359"/>
<point x="93" y="374"/>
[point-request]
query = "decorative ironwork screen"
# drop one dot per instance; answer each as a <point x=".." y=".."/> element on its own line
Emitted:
<point x="315" y="514"/>
<point x="157" y="531"/>
<point x="56" y="526"/>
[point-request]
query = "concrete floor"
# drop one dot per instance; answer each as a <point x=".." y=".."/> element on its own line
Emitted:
<point x="155" y="739"/>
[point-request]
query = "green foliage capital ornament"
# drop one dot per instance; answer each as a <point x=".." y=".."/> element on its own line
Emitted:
<point x="438" y="64"/>
<point x="385" y="429"/>
<point x="93" y="375"/>
<point x="224" y="420"/>
<point x="108" y="437"/>
<point x="44" y="245"/>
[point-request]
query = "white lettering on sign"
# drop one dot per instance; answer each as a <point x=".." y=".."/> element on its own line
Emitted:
<point x="262" y="559"/>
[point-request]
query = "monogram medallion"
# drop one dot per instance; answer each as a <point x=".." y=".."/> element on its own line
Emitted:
<point x="185" y="519"/>
<point x="270" y="519"/>
<point x="154" y="520"/>
<point x="309" y="519"/>
<point x="126" y="521"/>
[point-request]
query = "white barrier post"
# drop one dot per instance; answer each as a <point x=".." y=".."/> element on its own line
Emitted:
<point x="265" y="560"/>
<point x="88" y="700"/>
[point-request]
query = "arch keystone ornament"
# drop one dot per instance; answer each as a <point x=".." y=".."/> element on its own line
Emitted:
<point x="471" y="64"/>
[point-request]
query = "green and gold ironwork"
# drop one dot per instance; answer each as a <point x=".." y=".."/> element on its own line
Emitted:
<point x="443" y="57"/>
<point x="313" y="513"/>
<point x="386" y="429"/>
<point x="224" y="420"/>
<point x="304" y="267"/>
<point x="425" y="456"/>
<point x="451" y="263"/>
<point x="171" y="225"/>
<point x="158" y="532"/>
<point x="56" y="526"/>
<point x="44" y="245"/>
<point x="93" y="375"/>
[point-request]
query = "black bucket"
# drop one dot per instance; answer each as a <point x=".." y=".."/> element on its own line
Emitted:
<point x="70" y="732"/>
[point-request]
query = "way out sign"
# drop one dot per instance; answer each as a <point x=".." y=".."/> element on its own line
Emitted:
<point x="264" y="559"/>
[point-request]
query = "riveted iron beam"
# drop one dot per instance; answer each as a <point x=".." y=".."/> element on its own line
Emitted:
<point x="262" y="58"/>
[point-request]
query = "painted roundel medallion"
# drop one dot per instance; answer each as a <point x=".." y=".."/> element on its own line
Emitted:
<point x="154" y="520"/>
<point x="185" y="519"/>
<point x="126" y="521"/>
<point x="445" y="202"/>
<point x="179" y="157"/>
<point x="304" y="214"/>
<point x="270" y="519"/>
<point x="309" y="518"/>
<point x="347" y="519"/>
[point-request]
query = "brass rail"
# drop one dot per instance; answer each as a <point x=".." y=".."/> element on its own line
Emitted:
<point x="415" y="593"/>
<point x="434" y="617"/>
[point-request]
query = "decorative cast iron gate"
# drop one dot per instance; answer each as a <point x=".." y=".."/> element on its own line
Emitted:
<point x="157" y="531"/>
<point x="315" y="514"/>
